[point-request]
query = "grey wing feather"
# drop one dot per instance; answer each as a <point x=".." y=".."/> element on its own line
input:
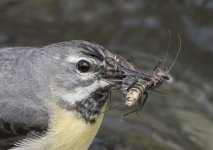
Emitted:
<point x="18" y="120"/>
<point x="22" y="87"/>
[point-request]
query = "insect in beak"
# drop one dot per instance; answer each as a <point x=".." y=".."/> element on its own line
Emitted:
<point x="118" y="69"/>
<point x="134" y="83"/>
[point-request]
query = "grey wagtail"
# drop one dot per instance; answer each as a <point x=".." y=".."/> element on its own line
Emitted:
<point x="51" y="97"/>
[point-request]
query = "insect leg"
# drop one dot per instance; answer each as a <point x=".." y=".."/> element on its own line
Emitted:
<point x="158" y="92"/>
<point x="110" y="99"/>
<point x="140" y="104"/>
<point x="130" y="112"/>
<point x="114" y="107"/>
<point x="158" y="65"/>
<point x="144" y="101"/>
<point x="136" y="111"/>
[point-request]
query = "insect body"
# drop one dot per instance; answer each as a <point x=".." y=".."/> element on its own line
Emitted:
<point x="134" y="90"/>
<point x="134" y="83"/>
<point x="144" y="84"/>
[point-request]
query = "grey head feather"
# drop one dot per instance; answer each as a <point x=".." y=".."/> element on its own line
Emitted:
<point x="32" y="79"/>
<point x="26" y="75"/>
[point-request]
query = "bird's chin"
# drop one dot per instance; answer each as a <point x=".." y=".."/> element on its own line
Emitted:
<point x="90" y="108"/>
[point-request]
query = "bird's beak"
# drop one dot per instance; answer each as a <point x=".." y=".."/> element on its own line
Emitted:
<point x="117" y="69"/>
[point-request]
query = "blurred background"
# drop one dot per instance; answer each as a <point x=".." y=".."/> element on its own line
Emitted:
<point x="137" y="30"/>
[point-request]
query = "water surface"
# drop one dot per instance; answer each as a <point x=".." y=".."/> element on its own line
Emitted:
<point x="138" y="30"/>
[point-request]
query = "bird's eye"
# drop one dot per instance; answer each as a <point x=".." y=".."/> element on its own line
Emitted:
<point x="83" y="66"/>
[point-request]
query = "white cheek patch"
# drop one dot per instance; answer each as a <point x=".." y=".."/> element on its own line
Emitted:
<point x="82" y="93"/>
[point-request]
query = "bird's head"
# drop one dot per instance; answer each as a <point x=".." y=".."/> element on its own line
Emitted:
<point x="86" y="74"/>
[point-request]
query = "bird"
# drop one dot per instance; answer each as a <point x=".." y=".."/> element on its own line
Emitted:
<point x="52" y="97"/>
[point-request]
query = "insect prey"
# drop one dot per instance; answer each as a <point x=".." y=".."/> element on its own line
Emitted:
<point x="134" y="88"/>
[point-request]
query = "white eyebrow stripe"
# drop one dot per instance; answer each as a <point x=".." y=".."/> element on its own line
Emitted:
<point x="75" y="59"/>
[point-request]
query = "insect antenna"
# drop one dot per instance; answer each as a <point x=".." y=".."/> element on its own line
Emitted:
<point x="167" y="50"/>
<point x="180" y="44"/>
<point x="163" y="60"/>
